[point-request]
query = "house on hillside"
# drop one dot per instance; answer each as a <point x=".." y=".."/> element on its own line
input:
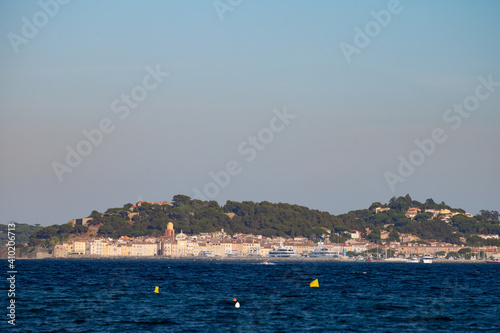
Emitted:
<point x="161" y="203"/>
<point x="412" y="212"/>
<point x="434" y="212"/>
<point x="405" y="238"/>
<point x="355" y="234"/>
<point x="328" y="231"/>
<point x="384" y="234"/>
<point x="446" y="217"/>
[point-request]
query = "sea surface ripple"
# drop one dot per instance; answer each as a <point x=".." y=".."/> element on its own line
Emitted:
<point x="197" y="296"/>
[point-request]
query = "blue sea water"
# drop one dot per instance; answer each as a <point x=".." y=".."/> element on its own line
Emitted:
<point x="196" y="296"/>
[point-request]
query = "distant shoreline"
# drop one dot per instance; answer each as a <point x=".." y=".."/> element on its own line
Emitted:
<point x="256" y="259"/>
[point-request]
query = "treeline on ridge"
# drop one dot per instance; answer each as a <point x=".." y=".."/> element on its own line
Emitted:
<point x="193" y="216"/>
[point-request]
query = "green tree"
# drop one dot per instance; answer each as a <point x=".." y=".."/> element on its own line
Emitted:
<point x="408" y="200"/>
<point x="373" y="237"/>
<point x="213" y="204"/>
<point x="65" y="229"/>
<point x="381" y="219"/>
<point x="423" y="217"/>
<point x="475" y="241"/>
<point x="105" y="230"/>
<point x="96" y="218"/>
<point x="490" y="215"/>
<point x="338" y="239"/>
<point x="429" y="204"/>
<point x="180" y="200"/>
<point x="375" y="205"/>
<point x="47" y="232"/>
<point x="79" y="229"/>
<point x="23" y="232"/>
<point x="317" y="233"/>
<point x="340" y="229"/>
<point x="393" y="236"/>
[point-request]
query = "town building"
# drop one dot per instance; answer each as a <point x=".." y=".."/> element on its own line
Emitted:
<point x="381" y="209"/>
<point x="412" y="212"/>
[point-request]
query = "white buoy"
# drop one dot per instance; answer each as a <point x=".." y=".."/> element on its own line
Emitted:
<point x="236" y="303"/>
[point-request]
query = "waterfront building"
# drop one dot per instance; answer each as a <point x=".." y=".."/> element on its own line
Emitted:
<point x="79" y="247"/>
<point x="99" y="247"/>
<point x="144" y="249"/>
<point x="125" y="250"/>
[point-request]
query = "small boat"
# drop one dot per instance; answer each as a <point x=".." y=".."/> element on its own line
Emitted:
<point x="413" y="261"/>
<point x="265" y="262"/>
<point x="426" y="259"/>
<point x="494" y="261"/>
<point x="395" y="260"/>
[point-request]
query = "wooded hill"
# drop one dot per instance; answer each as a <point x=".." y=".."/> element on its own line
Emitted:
<point x="278" y="219"/>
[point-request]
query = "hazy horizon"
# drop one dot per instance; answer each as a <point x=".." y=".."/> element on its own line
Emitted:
<point x="331" y="105"/>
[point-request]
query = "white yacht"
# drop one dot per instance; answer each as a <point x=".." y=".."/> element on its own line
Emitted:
<point x="206" y="254"/>
<point x="426" y="259"/>
<point x="322" y="252"/>
<point x="395" y="259"/>
<point x="282" y="252"/>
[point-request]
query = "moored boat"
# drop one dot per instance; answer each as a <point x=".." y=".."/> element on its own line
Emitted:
<point x="494" y="261"/>
<point x="206" y="254"/>
<point x="426" y="259"/>
<point x="282" y="252"/>
<point x="322" y="252"/>
<point x="395" y="259"/>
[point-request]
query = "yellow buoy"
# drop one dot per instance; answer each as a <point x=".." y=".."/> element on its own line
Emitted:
<point x="315" y="283"/>
<point x="157" y="289"/>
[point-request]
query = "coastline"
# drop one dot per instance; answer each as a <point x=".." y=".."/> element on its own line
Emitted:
<point x="253" y="259"/>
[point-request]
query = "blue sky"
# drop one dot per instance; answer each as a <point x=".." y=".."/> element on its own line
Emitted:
<point x="353" y="120"/>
